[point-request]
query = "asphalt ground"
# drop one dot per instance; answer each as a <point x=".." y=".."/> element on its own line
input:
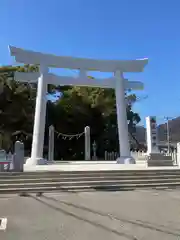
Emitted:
<point x="140" y="214"/>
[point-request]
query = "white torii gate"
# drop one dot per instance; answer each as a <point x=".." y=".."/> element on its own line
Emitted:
<point x="117" y="82"/>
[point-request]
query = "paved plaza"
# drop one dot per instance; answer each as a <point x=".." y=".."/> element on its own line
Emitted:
<point x="141" y="214"/>
<point x="91" y="166"/>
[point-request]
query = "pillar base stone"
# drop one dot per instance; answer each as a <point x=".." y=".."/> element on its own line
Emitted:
<point x="35" y="161"/>
<point x="125" y="160"/>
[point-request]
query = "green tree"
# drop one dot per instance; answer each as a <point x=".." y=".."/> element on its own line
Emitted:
<point x="94" y="107"/>
<point x="71" y="114"/>
<point x="16" y="102"/>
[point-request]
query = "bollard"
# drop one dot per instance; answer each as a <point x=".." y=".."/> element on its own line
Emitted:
<point x="19" y="157"/>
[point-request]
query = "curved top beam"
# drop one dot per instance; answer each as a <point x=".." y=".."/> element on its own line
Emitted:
<point x="31" y="57"/>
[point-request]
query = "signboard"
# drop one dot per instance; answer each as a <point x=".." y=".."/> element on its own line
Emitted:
<point x="153" y="131"/>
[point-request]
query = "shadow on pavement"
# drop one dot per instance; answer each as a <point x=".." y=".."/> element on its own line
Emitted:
<point x="139" y="223"/>
<point x="95" y="224"/>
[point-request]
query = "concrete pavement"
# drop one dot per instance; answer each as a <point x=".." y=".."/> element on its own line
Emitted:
<point x="143" y="214"/>
<point x="90" y="166"/>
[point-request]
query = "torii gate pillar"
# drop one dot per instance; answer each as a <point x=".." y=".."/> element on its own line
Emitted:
<point x="39" y="121"/>
<point x="125" y="156"/>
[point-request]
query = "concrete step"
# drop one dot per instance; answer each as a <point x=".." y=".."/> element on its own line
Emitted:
<point x="87" y="187"/>
<point x="85" y="178"/>
<point x="153" y="163"/>
<point x="141" y="163"/>
<point x="89" y="183"/>
<point x="88" y="173"/>
<point x="94" y="171"/>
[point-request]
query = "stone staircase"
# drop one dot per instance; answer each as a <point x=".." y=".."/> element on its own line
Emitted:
<point x="141" y="160"/>
<point x="39" y="182"/>
<point x="157" y="159"/>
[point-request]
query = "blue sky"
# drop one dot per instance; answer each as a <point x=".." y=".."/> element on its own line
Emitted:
<point x="116" y="29"/>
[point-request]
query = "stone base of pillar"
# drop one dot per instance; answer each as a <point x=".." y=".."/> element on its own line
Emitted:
<point x="35" y="161"/>
<point x="125" y="160"/>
